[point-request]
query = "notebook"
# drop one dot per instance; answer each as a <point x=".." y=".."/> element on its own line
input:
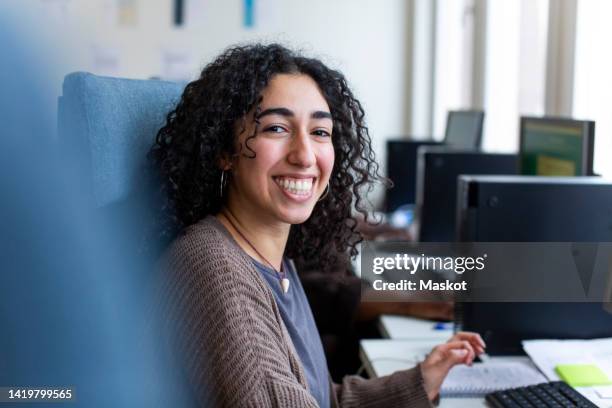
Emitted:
<point x="483" y="378"/>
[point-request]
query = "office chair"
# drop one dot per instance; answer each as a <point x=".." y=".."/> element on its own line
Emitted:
<point x="111" y="123"/>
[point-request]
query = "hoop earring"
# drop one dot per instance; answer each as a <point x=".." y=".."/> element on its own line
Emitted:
<point x="327" y="188"/>
<point x="222" y="183"/>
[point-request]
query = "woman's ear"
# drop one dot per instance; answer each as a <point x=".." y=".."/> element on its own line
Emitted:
<point x="225" y="162"/>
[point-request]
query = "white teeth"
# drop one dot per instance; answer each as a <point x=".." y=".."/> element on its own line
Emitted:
<point x="295" y="186"/>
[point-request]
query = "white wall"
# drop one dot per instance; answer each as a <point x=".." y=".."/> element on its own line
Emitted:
<point x="365" y="39"/>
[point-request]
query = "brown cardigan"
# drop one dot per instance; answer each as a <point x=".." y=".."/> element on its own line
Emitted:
<point x="235" y="347"/>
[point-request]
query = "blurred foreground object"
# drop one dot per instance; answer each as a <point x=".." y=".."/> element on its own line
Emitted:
<point x="74" y="297"/>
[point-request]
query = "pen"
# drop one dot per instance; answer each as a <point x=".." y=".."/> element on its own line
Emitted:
<point x="442" y="326"/>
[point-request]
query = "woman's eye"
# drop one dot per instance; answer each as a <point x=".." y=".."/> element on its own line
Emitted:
<point x="275" y="129"/>
<point x="321" y="132"/>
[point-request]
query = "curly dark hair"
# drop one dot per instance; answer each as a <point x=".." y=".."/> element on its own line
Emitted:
<point x="200" y="131"/>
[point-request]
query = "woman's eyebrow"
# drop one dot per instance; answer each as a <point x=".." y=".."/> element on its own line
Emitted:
<point x="321" y="115"/>
<point x="276" y="111"/>
<point x="289" y="113"/>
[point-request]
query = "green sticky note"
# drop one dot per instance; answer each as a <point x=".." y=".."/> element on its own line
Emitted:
<point x="582" y="375"/>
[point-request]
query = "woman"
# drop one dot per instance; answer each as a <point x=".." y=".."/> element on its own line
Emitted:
<point x="262" y="161"/>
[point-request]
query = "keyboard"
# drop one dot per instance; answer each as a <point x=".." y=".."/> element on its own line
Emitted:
<point x="554" y="394"/>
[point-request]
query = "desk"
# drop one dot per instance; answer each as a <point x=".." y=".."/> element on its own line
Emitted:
<point x="383" y="357"/>
<point x="401" y="327"/>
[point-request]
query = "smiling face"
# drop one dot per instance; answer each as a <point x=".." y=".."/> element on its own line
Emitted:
<point x="294" y="153"/>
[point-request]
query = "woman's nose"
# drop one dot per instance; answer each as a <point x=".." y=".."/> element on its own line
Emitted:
<point x="301" y="151"/>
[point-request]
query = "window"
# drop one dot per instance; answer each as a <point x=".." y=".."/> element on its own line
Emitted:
<point x="453" y="60"/>
<point x="515" y="68"/>
<point x="593" y="76"/>
<point x="490" y="55"/>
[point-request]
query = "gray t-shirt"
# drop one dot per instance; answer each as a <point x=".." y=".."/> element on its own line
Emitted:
<point x="297" y="316"/>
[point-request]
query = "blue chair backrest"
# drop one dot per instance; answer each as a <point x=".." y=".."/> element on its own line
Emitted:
<point x="110" y="124"/>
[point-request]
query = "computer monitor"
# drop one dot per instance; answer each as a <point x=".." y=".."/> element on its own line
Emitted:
<point x="556" y="146"/>
<point x="464" y="129"/>
<point x="402" y="170"/>
<point x="533" y="209"/>
<point x="438" y="169"/>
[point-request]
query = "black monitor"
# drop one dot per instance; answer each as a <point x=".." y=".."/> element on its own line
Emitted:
<point x="402" y="170"/>
<point x="533" y="209"/>
<point x="438" y="169"/>
<point x="556" y="146"/>
<point x="464" y="129"/>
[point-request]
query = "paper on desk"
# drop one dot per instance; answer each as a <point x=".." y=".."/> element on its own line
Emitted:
<point x="604" y="392"/>
<point x="483" y="378"/>
<point x="547" y="354"/>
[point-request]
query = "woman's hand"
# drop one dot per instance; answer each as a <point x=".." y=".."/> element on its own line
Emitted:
<point x="462" y="348"/>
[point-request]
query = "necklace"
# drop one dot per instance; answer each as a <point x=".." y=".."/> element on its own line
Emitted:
<point x="282" y="276"/>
